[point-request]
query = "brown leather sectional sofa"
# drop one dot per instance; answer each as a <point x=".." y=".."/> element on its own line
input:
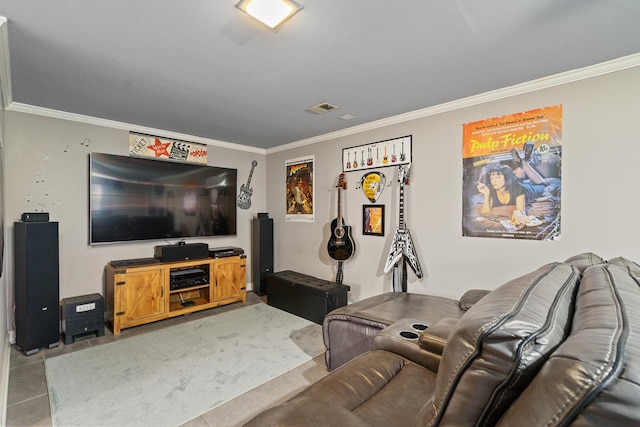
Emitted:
<point x="558" y="346"/>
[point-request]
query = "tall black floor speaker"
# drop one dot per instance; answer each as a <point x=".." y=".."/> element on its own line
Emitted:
<point x="37" y="294"/>
<point x="261" y="252"/>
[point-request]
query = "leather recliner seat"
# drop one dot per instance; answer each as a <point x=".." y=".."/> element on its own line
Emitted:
<point x="553" y="347"/>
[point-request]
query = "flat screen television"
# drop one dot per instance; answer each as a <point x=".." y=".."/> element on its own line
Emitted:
<point x="134" y="199"/>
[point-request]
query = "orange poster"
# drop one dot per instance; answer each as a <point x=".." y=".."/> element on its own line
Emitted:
<point x="512" y="175"/>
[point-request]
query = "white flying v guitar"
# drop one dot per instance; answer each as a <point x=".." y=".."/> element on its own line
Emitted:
<point x="402" y="245"/>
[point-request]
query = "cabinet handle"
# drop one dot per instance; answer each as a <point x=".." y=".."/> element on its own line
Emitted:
<point x="162" y="292"/>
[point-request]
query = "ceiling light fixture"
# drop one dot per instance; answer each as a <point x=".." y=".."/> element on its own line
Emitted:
<point x="272" y="13"/>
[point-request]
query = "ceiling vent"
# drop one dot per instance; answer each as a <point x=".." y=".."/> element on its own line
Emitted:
<point x="323" y="107"/>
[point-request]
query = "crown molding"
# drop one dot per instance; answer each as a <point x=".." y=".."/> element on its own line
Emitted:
<point x="607" y="67"/>
<point x="63" y="115"/>
<point x="5" y="66"/>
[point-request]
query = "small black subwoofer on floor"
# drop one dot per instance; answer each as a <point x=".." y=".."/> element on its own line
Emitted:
<point x="82" y="315"/>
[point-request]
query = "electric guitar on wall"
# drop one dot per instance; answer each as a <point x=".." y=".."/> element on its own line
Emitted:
<point x="341" y="246"/>
<point x="402" y="244"/>
<point x="244" y="198"/>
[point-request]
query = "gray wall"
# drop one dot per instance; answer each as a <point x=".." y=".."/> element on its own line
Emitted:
<point x="599" y="202"/>
<point x="57" y="151"/>
<point x="599" y="207"/>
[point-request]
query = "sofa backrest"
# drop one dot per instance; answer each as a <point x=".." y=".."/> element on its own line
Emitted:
<point x="593" y="378"/>
<point x="584" y="260"/>
<point x="498" y="346"/>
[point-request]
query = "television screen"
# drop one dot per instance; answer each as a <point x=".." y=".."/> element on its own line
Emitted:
<point x="134" y="199"/>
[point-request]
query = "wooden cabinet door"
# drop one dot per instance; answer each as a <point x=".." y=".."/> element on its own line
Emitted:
<point x="140" y="296"/>
<point x="230" y="277"/>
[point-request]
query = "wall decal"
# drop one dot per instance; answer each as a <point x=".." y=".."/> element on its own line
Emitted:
<point x="244" y="197"/>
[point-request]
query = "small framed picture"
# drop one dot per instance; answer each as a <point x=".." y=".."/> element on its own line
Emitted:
<point x="373" y="220"/>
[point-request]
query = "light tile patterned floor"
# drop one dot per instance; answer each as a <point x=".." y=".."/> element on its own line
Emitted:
<point x="28" y="400"/>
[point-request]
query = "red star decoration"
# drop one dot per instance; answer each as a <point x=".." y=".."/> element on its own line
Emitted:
<point x="159" y="148"/>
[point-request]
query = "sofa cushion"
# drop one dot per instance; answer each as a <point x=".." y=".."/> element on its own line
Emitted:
<point x="593" y="378"/>
<point x="498" y="346"/>
<point x="379" y="388"/>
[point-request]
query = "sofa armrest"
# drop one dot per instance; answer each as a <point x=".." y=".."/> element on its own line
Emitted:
<point x="435" y="337"/>
<point x="401" y="338"/>
<point x="471" y="297"/>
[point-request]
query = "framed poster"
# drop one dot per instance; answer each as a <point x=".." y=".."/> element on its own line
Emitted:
<point x="373" y="220"/>
<point x="299" y="189"/>
<point x="512" y="175"/>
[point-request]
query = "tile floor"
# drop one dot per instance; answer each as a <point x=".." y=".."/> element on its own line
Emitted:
<point x="28" y="400"/>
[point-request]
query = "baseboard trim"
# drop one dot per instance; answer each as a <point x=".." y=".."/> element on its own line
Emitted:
<point x="4" y="380"/>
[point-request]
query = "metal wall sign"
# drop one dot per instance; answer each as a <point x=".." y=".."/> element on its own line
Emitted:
<point x="372" y="184"/>
<point x="166" y="149"/>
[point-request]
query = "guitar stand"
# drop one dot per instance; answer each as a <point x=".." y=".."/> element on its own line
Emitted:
<point x="397" y="285"/>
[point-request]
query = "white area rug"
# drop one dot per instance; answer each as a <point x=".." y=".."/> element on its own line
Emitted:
<point x="170" y="376"/>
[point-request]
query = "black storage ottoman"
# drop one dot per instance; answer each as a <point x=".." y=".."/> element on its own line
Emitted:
<point x="303" y="295"/>
<point x="82" y="315"/>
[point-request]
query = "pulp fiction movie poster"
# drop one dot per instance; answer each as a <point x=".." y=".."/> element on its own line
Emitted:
<point x="299" y="189"/>
<point x="512" y="175"/>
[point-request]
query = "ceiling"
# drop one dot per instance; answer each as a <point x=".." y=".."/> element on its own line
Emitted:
<point x="204" y="68"/>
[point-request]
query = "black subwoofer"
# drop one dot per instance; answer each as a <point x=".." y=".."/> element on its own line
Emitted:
<point x="37" y="294"/>
<point x="82" y="315"/>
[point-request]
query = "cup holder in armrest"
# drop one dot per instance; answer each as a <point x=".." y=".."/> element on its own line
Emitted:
<point x="409" y="335"/>
<point x="419" y="326"/>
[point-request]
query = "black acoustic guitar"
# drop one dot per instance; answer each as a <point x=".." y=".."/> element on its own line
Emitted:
<point x="341" y="246"/>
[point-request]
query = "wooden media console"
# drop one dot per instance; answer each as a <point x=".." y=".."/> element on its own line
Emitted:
<point x="140" y="294"/>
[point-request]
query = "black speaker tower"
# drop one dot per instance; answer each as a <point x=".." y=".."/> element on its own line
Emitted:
<point x="261" y="252"/>
<point x="37" y="294"/>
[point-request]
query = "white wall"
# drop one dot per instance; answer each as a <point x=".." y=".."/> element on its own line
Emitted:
<point x="57" y="151"/>
<point x="601" y="152"/>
